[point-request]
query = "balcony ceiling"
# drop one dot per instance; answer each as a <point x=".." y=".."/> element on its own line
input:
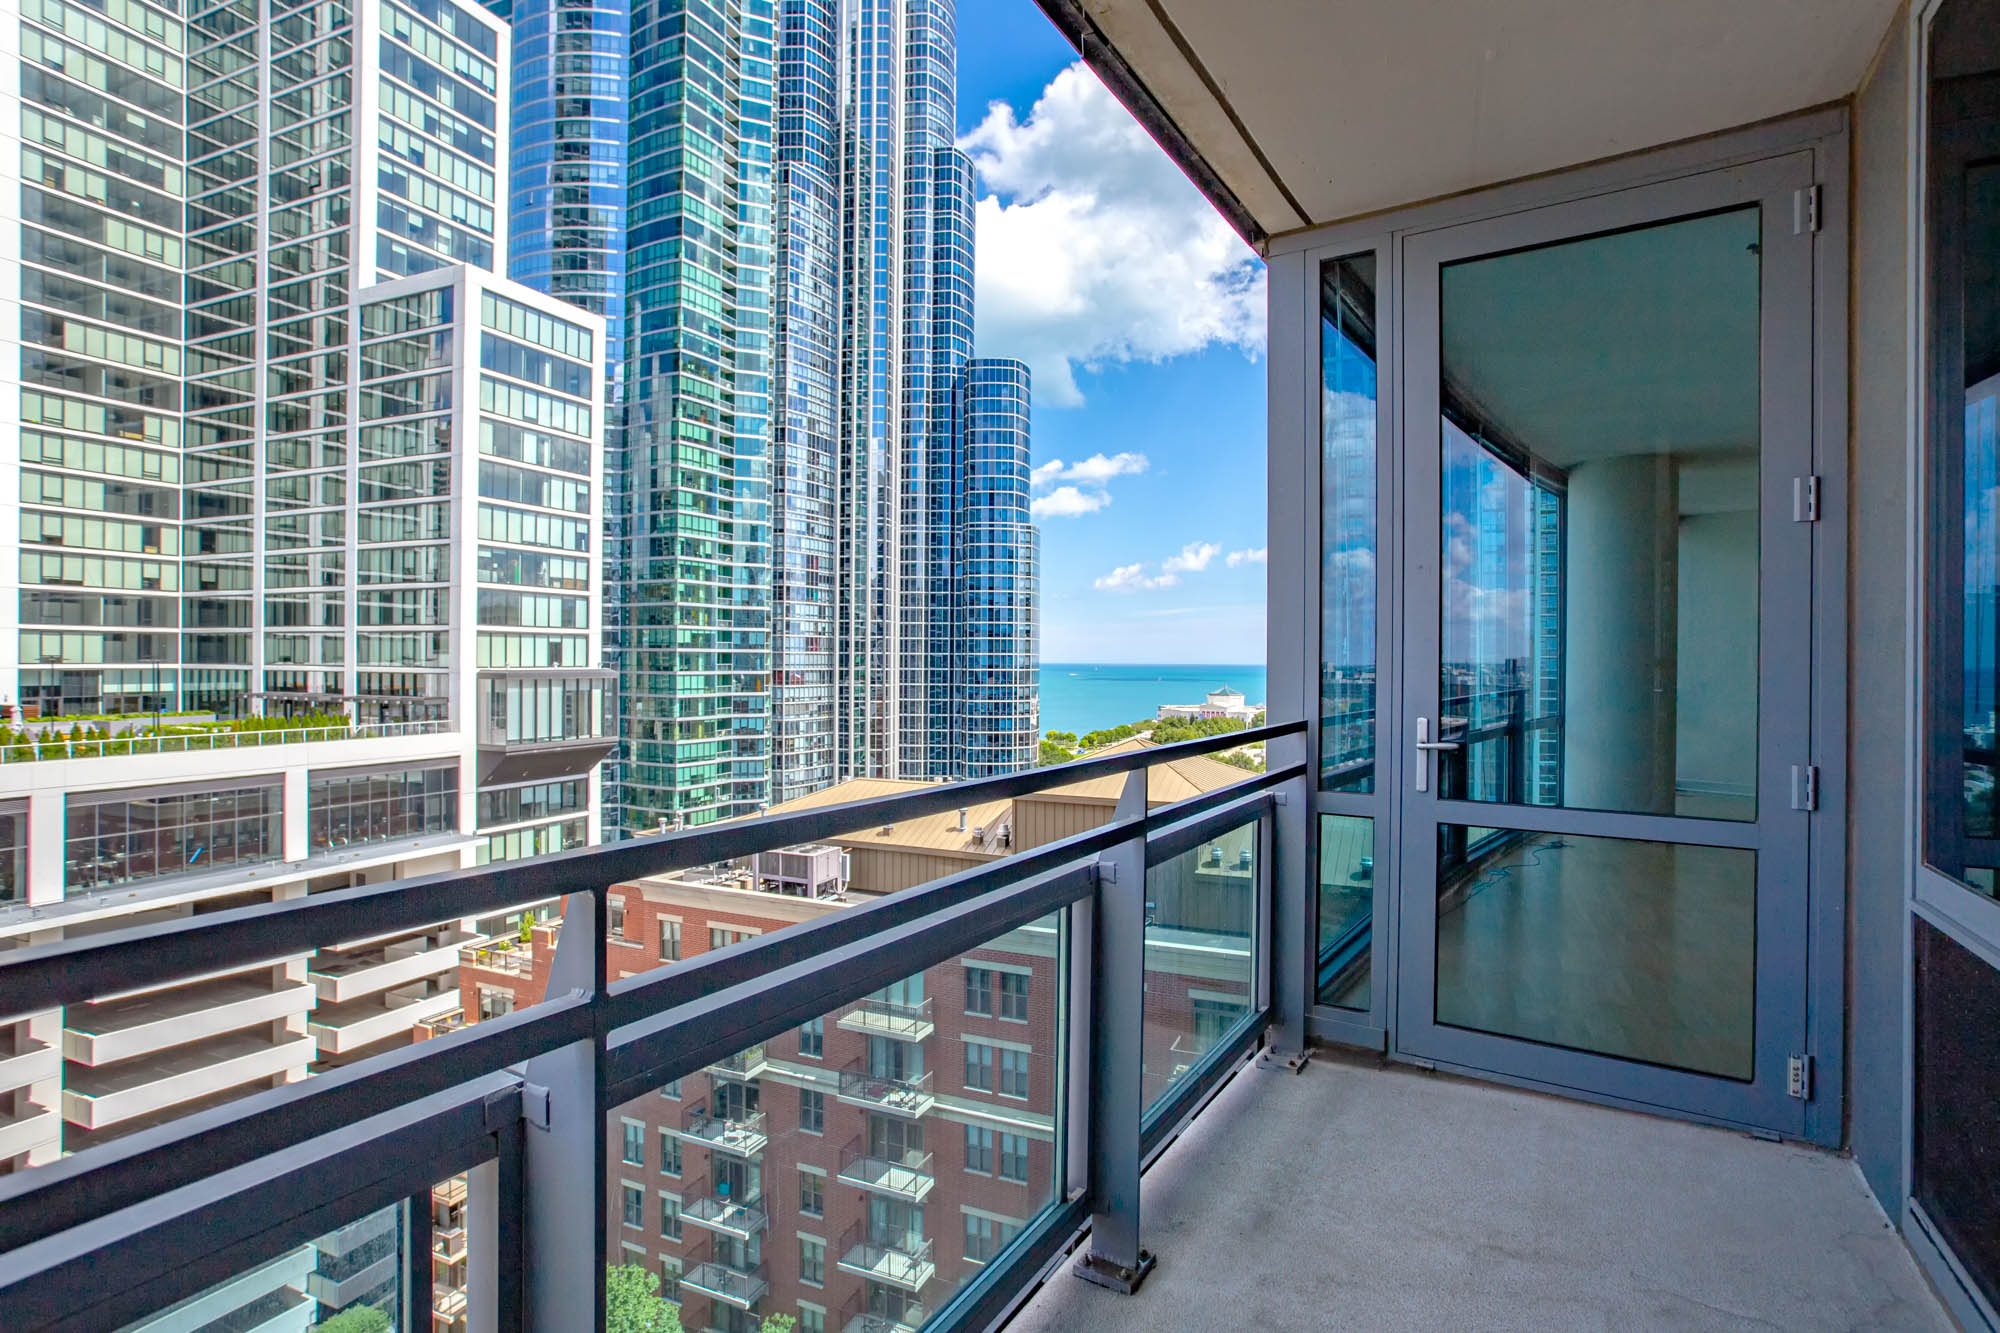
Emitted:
<point x="1312" y="111"/>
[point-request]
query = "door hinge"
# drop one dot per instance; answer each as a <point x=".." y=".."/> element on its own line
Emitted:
<point x="1799" y="1077"/>
<point x="1805" y="499"/>
<point x="1805" y="786"/>
<point x="1805" y="211"/>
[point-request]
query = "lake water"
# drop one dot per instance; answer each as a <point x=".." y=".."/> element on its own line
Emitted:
<point x="1091" y="696"/>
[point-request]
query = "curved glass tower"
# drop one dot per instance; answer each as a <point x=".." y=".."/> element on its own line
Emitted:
<point x="994" y="720"/>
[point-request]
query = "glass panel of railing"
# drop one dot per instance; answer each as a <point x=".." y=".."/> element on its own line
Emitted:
<point x="854" y="1172"/>
<point x="353" y="1279"/>
<point x="1200" y="954"/>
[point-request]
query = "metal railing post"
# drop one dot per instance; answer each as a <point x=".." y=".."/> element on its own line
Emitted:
<point x="1118" y="1029"/>
<point x="563" y="1159"/>
<point x="1292" y="880"/>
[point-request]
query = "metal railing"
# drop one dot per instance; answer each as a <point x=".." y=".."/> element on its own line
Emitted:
<point x="896" y="1096"/>
<point x="48" y="742"/>
<point x="126" y="1228"/>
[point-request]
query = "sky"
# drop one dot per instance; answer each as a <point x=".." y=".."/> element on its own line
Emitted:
<point x="1141" y="316"/>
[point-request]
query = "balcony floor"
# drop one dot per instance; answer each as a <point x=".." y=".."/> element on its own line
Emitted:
<point x="1352" y="1197"/>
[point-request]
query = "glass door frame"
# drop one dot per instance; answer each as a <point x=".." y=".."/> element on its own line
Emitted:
<point x="1778" y="834"/>
<point x="1819" y="138"/>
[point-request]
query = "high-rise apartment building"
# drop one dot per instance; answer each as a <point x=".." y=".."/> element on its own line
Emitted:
<point x="816" y="572"/>
<point x="302" y="566"/>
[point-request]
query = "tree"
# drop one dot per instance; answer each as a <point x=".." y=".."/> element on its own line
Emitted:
<point x="1053" y="753"/>
<point x="632" y="1303"/>
<point x="1258" y="720"/>
<point x="355" y="1319"/>
<point x="1242" y="759"/>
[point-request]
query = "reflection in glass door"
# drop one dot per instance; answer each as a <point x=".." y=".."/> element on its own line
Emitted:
<point x="1599" y="892"/>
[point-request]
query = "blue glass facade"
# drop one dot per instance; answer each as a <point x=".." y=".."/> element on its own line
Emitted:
<point x="766" y="200"/>
<point x="995" y="715"/>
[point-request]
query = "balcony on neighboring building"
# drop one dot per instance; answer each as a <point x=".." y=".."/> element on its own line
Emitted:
<point x="737" y="1219"/>
<point x="896" y="1260"/>
<point x="907" y="1177"/>
<point x="742" y="1066"/>
<point x="738" y="1287"/>
<point x="905" y="1020"/>
<point x="906" y="1097"/>
<point x="740" y="1135"/>
<point x="538" y="726"/>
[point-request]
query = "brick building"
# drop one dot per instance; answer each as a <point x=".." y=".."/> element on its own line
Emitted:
<point x="856" y="1171"/>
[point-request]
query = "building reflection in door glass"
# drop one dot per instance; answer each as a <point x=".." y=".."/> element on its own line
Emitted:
<point x="1642" y="950"/>
<point x="1599" y="542"/>
<point x="1346" y="910"/>
<point x="1347" y="502"/>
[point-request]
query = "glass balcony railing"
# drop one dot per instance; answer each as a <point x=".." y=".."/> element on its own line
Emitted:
<point x="494" y="1126"/>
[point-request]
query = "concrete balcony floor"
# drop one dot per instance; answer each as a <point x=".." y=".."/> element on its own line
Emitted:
<point x="1353" y="1197"/>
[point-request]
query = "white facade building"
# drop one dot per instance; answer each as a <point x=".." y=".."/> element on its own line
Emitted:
<point x="1224" y="702"/>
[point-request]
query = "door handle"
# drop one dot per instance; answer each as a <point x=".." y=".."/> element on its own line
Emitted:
<point x="1424" y="745"/>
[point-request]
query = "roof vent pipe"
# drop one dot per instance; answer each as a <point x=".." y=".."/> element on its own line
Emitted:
<point x="961" y="819"/>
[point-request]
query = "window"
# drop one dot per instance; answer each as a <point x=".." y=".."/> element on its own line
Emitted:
<point x="617" y="918"/>
<point x="670" y="941"/>
<point x="670" y="1154"/>
<point x="812" y="1261"/>
<point x="635" y="1206"/>
<point x="812" y="1039"/>
<point x="987" y="1236"/>
<point x="672" y="1089"/>
<point x="812" y="1319"/>
<point x="721" y="937"/>
<point x="812" y="1194"/>
<point x="670" y="1216"/>
<point x="1212" y="1018"/>
<point x="1013" y="1073"/>
<point x="670" y="1279"/>
<point x="812" y="1111"/>
<point x="979" y="1150"/>
<point x="1014" y="1157"/>
<point x="1014" y="996"/>
<point x="979" y="991"/>
<point x="494" y="1001"/>
<point x="361" y="806"/>
<point x="635" y="1143"/>
<point x="978" y="1066"/>
<point x="117" y="837"/>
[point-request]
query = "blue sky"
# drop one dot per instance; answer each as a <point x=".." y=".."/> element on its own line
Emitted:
<point x="1142" y="317"/>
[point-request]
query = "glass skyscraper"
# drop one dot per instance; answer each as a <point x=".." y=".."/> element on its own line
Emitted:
<point x="815" y="573"/>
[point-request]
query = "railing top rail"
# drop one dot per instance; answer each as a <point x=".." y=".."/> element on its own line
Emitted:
<point x="75" y="971"/>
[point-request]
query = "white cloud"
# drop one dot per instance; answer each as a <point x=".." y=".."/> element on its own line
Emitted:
<point x="1093" y="248"/>
<point x="1097" y="469"/>
<point x="1094" y="472"/>
<point x="1194" y="558"/>
<point x="1256" y="555"/>
<point x="1133" y="578"/>
<point x="1067" y="502"/>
